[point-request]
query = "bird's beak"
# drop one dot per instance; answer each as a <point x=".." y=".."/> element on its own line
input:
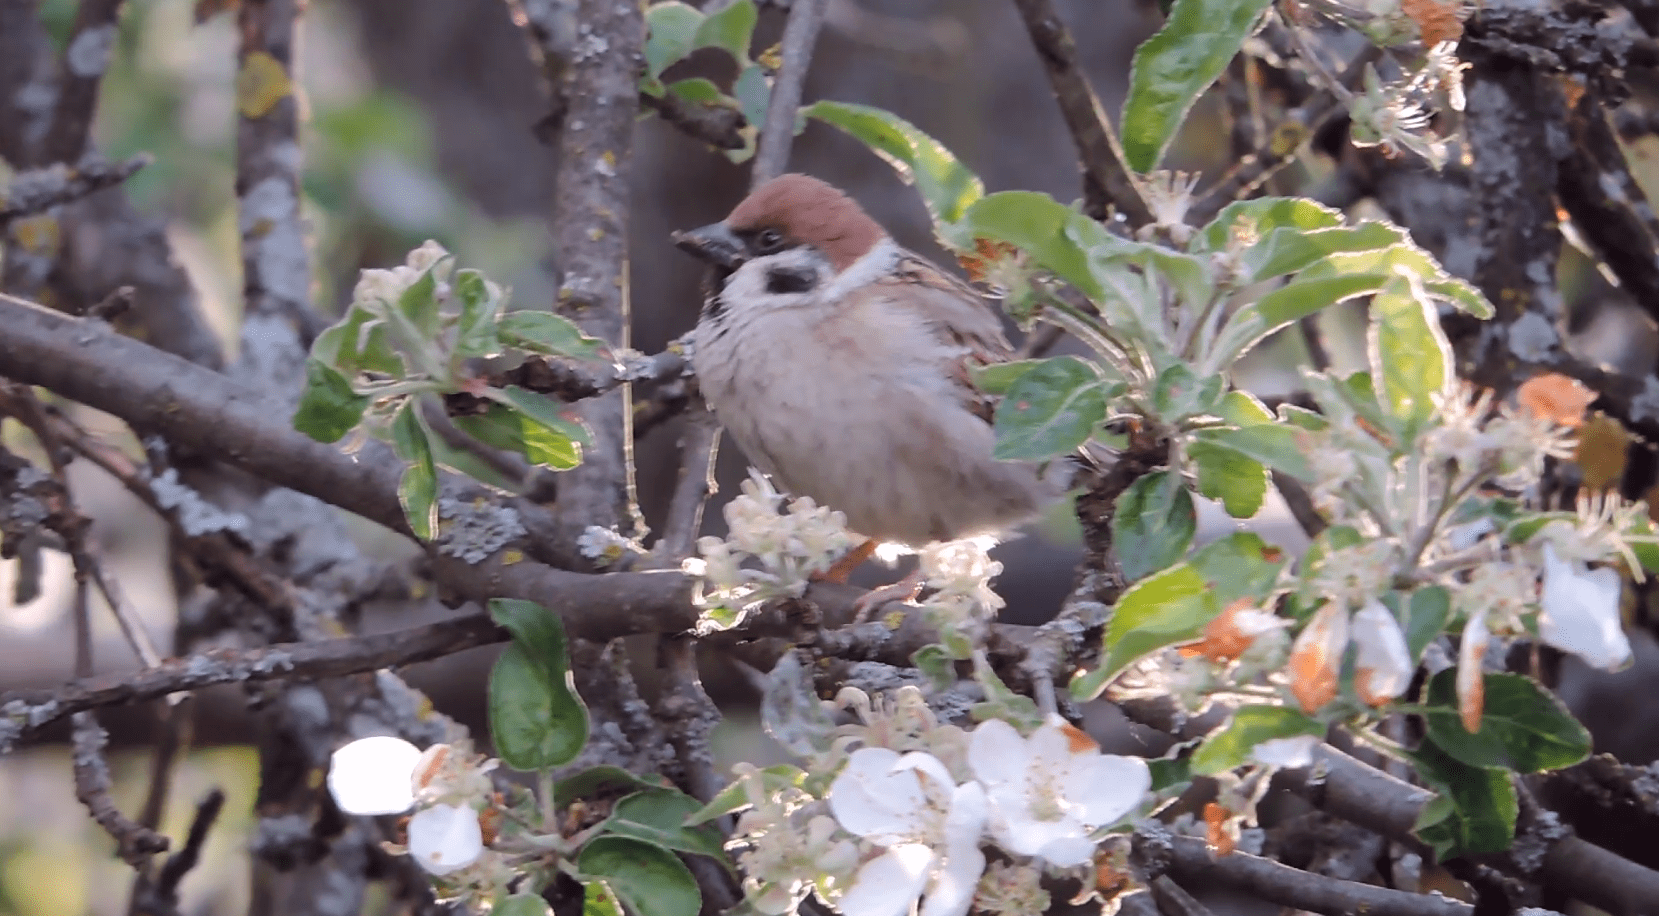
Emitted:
<point x="714" y="243"/>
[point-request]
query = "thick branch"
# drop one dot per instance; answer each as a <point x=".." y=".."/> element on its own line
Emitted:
<point x="39" y="190"/>
<point x="84" y="62"/>
<point x="1106" y="180"/>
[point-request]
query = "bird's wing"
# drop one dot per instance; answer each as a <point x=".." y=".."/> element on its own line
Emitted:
<point x="959" y="317"/>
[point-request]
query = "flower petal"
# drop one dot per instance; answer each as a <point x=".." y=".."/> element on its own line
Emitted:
<point x="444" y="838"/>
<point x="1286" y="753"/>
<point x="997" y="754"/>
<point x="1471" y="676"/>
<point x="871" y="800"/>
<point x="1316" y="658"/>
<point x="374" y="776"/>
<point x="928" y="765"/>
<point x="969" y="809"/>
<point x="1107" y="788"/>
<point x="1581" y="612"/>
<point x="1067" y="851"/>
<point x="951" y="892"/>
<point x="889" y="884"/>
<point x="1383" y="665"/>
<point x="1019" y="832"/>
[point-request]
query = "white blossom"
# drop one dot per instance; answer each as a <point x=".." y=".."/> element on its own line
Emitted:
<point x="1581" y="611"/>
<point x="1051" y="791"/>
<point x="444" y="838"/>
<point x="1383" y="666"/>
<point x="373" y="776"/>
<point x="928" y="827"/>
<point x="1285" y="753"/>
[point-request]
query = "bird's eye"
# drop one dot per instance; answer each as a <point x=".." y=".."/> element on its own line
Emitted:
<point x="768" y="241"/>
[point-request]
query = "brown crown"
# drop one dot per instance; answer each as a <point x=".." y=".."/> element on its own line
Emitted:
<point x="808" y="211"/>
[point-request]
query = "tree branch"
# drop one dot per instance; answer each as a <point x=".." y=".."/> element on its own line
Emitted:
<point x="1106" y="179"/>
<point x="134" y="842"/>
<point x="38" y="190"/>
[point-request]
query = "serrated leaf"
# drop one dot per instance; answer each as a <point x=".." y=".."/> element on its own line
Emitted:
<point x="1477" y="809"/>
<point x="1152" y="525"/>
<point x="550" y="439"/>
<point x="357" y="343"/>
<point x="548" y="334"/>
<point x="648" y="879"/>
<point x="328" y="408"/>
<point x="1037" y="224"/>
<point x="658" y="816"/>
<point x="464" y="461"/>
<point x="1050" y="410"/>
<point x="1523" y="728"/>
<point x="1262" y="215"/>
<point x="735" y="797"/>
<point x="754" y="94"/>
<point x="1174" y="67"/>
<point x="1274" y="445"/>
<point x="1237" y="481"/>
<point x="1410" y="355"/>
<point x="475" y="333"/>
<point x="417" y="489"/>
<point x="1241" y="408"/>
<point x="1427" y="614"/>
<point x="1288" y="250"/>
<point x="697" y="89"/>
<point x="730" y="30"/>
<point x="672" y="35"/>
<point x="995" y="378"/>
<point x="419" y="304"/>
<point x="1247" y="727"/>
<point x="1179" y="393"/>
<point x="1240" y="565"/>
<point x="946" y="186"/>
<point x="537" y="720"/>
<point x="597" y="900"/>
<point x="1162" y="610"/>
<point x="601" y="780"/>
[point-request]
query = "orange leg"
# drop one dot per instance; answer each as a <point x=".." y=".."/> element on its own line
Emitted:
<point x="905" y="589"/>
<point x="854" y="558"/>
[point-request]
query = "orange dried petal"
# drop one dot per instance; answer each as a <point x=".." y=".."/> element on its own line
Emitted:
<point x="1220" y="839"/>
<point x="1555" y="397"/>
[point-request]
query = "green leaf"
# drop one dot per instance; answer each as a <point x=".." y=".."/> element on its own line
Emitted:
<point x="697" y="89"/>
<point x="1476" y="811"/>
<point x="730" y="30"/>
<point x="753" y="92"/>
<point x="1427" y="614"/>
<point x="648" y="879"/>
<point x="1287" y="250"/>
<point x="658" y="816"/>
<point x="1273" y="444"/>
<point x="735" y="797"/>
<point x="1172" y="68"/>
<point x="1240" y="565"/>
<point x="1050" y="410"/>
<point x="1152" y="525"/>
<point x="1524" y="727"/>
<point x="549" y="437"/>
<point x="521" y="905"/>
<point x="417" y="489"/>
<point x="1247" y="727"/>
<point x="476" y="334"/>
<point x="537" y="720"/>
<point x="1262" y="215"/>
<point x="1410" y="355"/>
<point x="1162" y="610"/>
<point x="597" y="900"/>
<point x="1305" y="295"/>
<point x="357" y="343"/>
<point x="465" y="461"/>
<point x="548" y="334"/>
<point x="1239" y="482"/>
<point x="1241" y="408"/>
<point x="947" y="187"/>
<point x="328" y="407"/>
<point x="672" y="35"/>
<point x="1180" y="393"/>
<point x="1171" y="772"/>
<point x="1017" y="709"/>
<point x="419" y="304"/>
<point x="996" y="378"/>
<point x="1036" y="224"/>
<point x="599" y="781"/>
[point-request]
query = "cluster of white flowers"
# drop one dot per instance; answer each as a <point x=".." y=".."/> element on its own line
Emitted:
<point x="789" y="547"/>
<point x="389" y="284"/>
<point x="909" y="825"/>
<point x="962" y="604"/>
<point x="447" y="785"/>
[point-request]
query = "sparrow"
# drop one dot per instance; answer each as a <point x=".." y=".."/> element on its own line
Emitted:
<point x="841" y="364"/>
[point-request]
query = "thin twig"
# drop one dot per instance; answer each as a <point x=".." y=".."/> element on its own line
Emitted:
<point x="1106" y="179"/>
<point x="699" y="452"/>
<point x="38" y="190"/>
<point x="85" y="59"/>
<point x="134" y="842"/>
<point x="800" y="36"/>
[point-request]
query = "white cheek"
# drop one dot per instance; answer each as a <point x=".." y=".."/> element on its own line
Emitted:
<point x="746" y="289"/>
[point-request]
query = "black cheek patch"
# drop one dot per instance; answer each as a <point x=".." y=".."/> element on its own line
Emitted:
<point x="780" y="280"/>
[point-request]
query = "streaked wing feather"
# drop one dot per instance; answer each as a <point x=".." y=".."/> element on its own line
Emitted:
<point x="960" y="317"/>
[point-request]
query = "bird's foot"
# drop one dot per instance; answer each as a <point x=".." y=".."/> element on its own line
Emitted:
<point x="905" y="589"/>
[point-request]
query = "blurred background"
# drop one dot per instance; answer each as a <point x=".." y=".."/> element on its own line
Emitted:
<point x="420" y="124"/>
